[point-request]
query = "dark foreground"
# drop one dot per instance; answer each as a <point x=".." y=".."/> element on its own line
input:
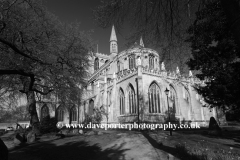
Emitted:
<point x="130" y="145"/>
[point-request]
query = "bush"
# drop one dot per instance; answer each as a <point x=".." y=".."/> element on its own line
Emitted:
<point x="96" y="118"/>
<point x="48" y="125"/>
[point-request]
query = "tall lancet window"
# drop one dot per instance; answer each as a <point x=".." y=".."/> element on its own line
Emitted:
<point x="151" y="62"/>
<point x="118" y="66"/>
<point x="60" y="113"/>
<point x="173" y="100"/>
<point x="122" y="102"/>
<point x="131" y="62"/>
<point x="131" y="100"/>
<point x="44" y="111"/>
<point x="154" y="96"/>
<point x="186" y="95"/>
<point x="73" y="114"/>
<point x="109" y="98"/>
<point x="90" y="107"/>
<point x="96" y="64"/>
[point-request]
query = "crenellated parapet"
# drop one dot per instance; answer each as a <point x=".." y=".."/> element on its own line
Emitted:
<point x="126" y="73"/>
<point x="101" y="71"/>
<point x="102" y="55"/>
<point x="161" y="72"/>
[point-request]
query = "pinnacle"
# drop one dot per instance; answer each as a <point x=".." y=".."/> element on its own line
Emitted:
<point x="113" y="36"/>
<point x="141" y="42"/>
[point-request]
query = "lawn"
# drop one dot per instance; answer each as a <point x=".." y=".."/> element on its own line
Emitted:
<point x="50" y="147"/>
<point x="185" y="145"/>
<point x="114" y="145"/>
<point x="197" y="145"/>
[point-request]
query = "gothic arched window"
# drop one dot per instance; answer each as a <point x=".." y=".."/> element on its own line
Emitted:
<point x="90" y="107"/>
<point x="85" y="107"/>
<point x="131" y="100"/>
<point x="92" y="87"/>
<point x="73" y="114"/>
<point x="173" y="100"/>
<point x="151" y="62"/>
<point x="131" y="62"/>
<point x="109" y="97"/>
<point x="186" y="95"/>
<point x="154" y="95"/>
<point x="44" y="111"/>
<point x="96" y="64"/>
<point x="118" y="66"/>
<point x="122" y="102"/>
<point x="60" y="114"/>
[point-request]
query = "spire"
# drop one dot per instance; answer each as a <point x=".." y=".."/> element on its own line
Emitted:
<point x="113" y="43"/>
<point x="190" y="73"/>
<point x="141" y="42"/>
<point x="177" y="71"/>
<point x="113" y="36"/>
<point x="163" y="66"/>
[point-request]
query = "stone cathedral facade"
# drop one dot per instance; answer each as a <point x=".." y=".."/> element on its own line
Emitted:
<point x="132" y="82"/>
<point x="129" y="86"/>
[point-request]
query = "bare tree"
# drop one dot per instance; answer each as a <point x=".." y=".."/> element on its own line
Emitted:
<point x="40" y="52"/>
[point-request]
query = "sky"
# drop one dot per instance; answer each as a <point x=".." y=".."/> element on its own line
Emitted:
<point x="81" y="11"/>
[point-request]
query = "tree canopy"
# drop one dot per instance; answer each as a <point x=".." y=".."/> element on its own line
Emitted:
<point x="40" y="54"/>
<point x="216" y="55"/>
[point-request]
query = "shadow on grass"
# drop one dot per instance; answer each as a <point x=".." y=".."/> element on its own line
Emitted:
<point x="225" y="134"/>
<point x="178" y="151"/>
<point x="65" y="151"/>
<point x="230" y="135"/>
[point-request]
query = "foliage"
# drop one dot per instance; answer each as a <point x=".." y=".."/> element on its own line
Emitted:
<point x="40" y="54"/>
<point x="215" y="56"/>
<point x="162" y="23"/>
<point x="12" y="106"/>
<point x="96" y="118"/>
<point x="232" y="10"/>
<point x="48" y="125"/>
<point x="17" y="114"/>
<point x="233" y="115"/>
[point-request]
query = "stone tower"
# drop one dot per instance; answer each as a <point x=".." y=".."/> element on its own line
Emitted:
<point x="113" y="43"/>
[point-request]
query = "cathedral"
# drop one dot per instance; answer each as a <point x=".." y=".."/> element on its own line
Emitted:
<point x="132" y="86"/>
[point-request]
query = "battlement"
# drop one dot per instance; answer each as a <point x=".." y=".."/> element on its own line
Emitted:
<point x="102" y="55"/>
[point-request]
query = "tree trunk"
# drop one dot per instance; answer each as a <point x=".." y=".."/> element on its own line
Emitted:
<point x="34" y="121"/>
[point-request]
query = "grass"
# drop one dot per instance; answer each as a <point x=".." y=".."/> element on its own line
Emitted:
<point x="198" y="146"/>
<point x="185" y="145"/>
<point x="203" y="152"/>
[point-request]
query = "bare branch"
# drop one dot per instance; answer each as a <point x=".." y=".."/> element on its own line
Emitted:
<point x="43" y="93"/>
